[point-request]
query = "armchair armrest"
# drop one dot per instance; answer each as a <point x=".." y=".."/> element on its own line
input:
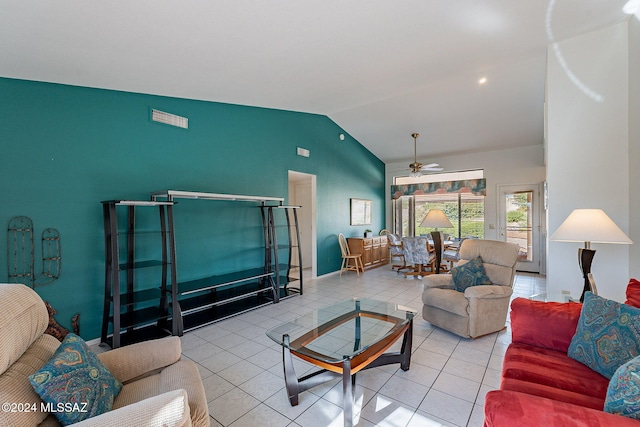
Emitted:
<point x="167" y="409"/>
<point x="549" y="325"/>
<point x="488" y="291"/>
<point x="444" y="281"/>
<point x="135" y="360"/>
<point x="511" y="408"/>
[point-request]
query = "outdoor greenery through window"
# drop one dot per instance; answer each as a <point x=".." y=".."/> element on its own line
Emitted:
<point x="464" y="210"/>
<point x="520" y="222"/>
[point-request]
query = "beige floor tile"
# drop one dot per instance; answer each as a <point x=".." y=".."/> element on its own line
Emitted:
<point x="240" y="372"/>
<point x="385" y="411"/>
<point x="262" y="415"/>
<point x="456" y="386"/>
<point x="263" y="385"/>
<point x="408" y="392"/>
<point x="231" y="406"/>
<point x="446" y="407"/>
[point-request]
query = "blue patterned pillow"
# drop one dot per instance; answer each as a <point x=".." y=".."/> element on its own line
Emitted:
<point x="75" y="383"/>
<point x="608" y="335"/>
<point x="623" y="394"/>
<point x="470" y="274"/>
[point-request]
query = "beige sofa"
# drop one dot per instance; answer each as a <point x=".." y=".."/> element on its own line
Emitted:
<point x="159" y="389"/>
<point x="479" y="310"/>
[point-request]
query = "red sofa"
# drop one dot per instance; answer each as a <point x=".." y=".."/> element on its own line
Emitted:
<point x="541" y="385"/>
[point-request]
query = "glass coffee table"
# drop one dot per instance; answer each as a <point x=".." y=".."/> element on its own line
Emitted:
<point x="343" y="339"/>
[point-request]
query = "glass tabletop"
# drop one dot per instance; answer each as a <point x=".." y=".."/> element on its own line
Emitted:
<point x="342" y="330"/>
<point x="554" y="297"/>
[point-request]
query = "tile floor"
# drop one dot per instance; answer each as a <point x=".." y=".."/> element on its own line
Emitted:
<point x="242" y="368"/>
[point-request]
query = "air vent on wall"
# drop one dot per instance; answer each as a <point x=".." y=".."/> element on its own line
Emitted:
<point x="169" y="119"/>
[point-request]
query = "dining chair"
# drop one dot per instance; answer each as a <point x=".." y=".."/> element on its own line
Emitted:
<point x="396" y="250"/>
<point x="452" y="253"/>
<point x="417" y="256"/>
<point x="349" y="262"/>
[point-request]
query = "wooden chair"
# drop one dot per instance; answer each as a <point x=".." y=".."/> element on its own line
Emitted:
<point x="349" y="262"/>
<point x="417" y="256"/>
<point x="452" y="253"/>
<point x="396" y="250"/>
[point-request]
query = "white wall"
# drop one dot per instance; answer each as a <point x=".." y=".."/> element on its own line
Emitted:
<point x="634" y="146"/>
<point x="588" y="152"/>
<point x="523" y="165"/>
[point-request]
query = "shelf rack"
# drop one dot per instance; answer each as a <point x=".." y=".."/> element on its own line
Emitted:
<point x="285" y="256"/>
<point x="140" y="311"/>
<point x="206" y="300"/>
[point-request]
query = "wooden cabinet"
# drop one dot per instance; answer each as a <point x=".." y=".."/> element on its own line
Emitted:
<point x="374" y="250"/>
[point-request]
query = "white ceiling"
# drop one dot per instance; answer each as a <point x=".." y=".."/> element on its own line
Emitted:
<point x="380" y="69"/>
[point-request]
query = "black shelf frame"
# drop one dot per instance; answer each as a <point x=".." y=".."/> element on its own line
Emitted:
<point x="120" y="310"/>
<point x="203" y="301"/>
<point x="283" y="270"/>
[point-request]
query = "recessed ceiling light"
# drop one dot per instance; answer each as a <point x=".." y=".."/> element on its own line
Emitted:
<point x="631" y="7"/>
<point x="482" y="80"/>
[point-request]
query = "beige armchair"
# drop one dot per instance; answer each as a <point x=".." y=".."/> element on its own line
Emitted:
<point x="159" y="389"/>
<point x="479" y="310"/>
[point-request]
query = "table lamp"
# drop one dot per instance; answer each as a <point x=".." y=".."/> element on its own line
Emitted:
<point x="436" y="219"/>
<point x="589" y="225"/>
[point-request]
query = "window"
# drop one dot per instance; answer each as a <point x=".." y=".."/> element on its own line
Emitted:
<point x="461" y="202"/>
<point x="465" y="211"/>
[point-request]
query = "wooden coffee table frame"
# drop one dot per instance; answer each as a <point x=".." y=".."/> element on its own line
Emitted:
<point x="347" y="368"/>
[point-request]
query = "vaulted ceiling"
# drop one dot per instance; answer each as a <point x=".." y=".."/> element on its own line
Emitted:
<point x="380" y="69"/>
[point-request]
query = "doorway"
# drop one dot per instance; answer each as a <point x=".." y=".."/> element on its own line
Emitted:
<point x="302" y="192"/>
<point x="520" y="223"/>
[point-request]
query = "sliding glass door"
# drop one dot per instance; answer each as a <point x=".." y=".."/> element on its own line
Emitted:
<point x="465" y="211"/>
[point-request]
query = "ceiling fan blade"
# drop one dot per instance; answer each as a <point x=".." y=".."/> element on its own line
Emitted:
<point x="431" y="165"/>
<point x="432" y="169"/>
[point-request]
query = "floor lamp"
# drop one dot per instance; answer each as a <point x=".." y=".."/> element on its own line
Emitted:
<point x="436" y="218"/>
<point x="589" y="226"/>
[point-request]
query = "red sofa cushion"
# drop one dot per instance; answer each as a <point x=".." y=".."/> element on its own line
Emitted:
<point x="552" y="374"/>
<point x="549" y="325"/>
<point x="510" y="408"/>
<point x="633" y="293"/>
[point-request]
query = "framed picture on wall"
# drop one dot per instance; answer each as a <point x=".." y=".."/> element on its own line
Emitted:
<point x="360" y="212"/>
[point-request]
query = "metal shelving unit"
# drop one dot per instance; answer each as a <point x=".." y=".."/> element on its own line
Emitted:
<point x="283" y="254"/>
<point x="138" y="311"/>
<point x="209" y="299"/>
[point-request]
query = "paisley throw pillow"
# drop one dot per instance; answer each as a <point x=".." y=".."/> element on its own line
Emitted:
<point x="74" y="383"/>
<point x="608" y="334"/>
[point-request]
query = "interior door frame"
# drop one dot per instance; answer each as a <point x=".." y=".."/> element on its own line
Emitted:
<point x="295" y="178"/>
<point x="537" y="208"/>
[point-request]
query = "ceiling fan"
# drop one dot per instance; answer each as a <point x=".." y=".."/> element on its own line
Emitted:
<point x="417" y="168"/>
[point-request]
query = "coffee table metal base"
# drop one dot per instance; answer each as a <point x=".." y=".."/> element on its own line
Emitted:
<point x="296" y="385"/>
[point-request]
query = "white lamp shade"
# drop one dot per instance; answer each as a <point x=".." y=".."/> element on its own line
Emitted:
<point x="436" y="219"/>
<point x="590" y="225"/>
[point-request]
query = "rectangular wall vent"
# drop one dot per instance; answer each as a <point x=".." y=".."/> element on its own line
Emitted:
<point x="303" y="152"/>
<point x="169" y="119"/>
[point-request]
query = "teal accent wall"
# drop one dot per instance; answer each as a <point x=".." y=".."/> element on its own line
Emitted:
<point x="66" y="148"/>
